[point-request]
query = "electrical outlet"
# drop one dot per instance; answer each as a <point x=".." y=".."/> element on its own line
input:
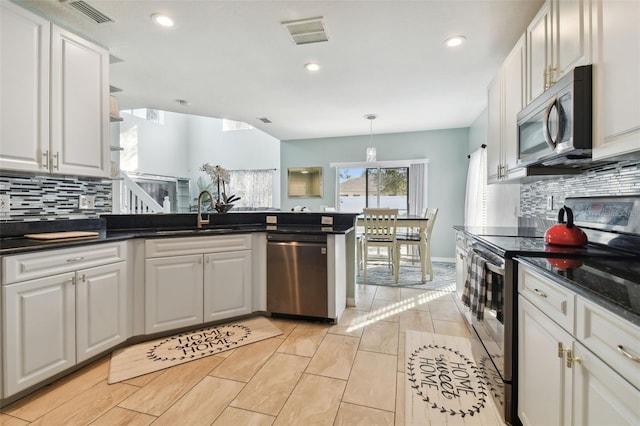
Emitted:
<point x="86" y="202"/>
<point x="327" y="220"/>
<point x="5" y="203"/>
<point x="549" y="202"/>
<point x="272" y="219"/>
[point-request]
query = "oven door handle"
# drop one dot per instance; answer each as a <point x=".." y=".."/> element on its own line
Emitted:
<point x="490" y="265"/>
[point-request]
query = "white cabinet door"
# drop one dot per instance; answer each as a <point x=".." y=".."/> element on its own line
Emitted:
<point x="494" y="129"/>
<point x="558" y="39"/>
<point x="513" y="86"/>
<point x="544" y="384"/>
<point x="617" y="94"/>
<point x="173" y="292"/>
<point x="539" y="54"/>
<point x="79" y="106"/>
<point x="601" y="396"/>
<point x="227" y="285"/>
<point x="101" y="301"/>
<point x="38" y="330"/>
<point x="24" y="90"/>
<point x="571" y="34"/>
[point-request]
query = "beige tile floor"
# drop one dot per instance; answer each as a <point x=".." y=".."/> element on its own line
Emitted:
<point x="350" y="373"/>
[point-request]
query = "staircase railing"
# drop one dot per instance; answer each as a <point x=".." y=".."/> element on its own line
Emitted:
<point x="134" y="199"/>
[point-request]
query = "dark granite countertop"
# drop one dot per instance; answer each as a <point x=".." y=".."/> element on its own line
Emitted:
<point x="499" y="231"/>
<point x="112" y="228"/>
<point x="617" y="290"/>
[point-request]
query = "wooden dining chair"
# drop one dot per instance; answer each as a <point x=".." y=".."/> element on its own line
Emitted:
<point x="413" y="239"/>
<point x="380" y="231"/>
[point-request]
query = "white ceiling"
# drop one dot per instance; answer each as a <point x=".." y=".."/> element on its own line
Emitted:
<point x="234" y="59"/>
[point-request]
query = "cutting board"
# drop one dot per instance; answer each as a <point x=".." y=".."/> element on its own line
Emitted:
<point x="61" y="235"/>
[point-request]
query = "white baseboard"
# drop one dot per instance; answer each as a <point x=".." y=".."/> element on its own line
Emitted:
<point x="443" y="259"/>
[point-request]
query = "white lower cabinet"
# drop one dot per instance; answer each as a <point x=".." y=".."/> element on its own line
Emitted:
<point x="544" y="383"/>
<point x="600" y="396"/>
<point x="173" y="296"/>
<point x="561" y="379"/>
<point x="38" y="330"/>
<point x="196" y="280"/>
<point x="227" y="285"/>
<point x="101" y="301"/>
<point x="52" y="322"/>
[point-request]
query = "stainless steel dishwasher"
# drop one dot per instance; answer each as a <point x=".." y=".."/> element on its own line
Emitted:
<point x="297" y="275"/>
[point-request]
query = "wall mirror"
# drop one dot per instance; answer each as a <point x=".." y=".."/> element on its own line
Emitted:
<point x="304" y="181"/>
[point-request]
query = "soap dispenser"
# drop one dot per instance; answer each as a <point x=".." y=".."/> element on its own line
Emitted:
<point x="166" y="205"/>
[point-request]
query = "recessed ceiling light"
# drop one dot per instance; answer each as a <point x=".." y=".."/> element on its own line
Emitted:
<point x="162" y="20"/>
<point x="182" y="102"/>
<point x="455" y="41"/>
<point x="312" y="66"/>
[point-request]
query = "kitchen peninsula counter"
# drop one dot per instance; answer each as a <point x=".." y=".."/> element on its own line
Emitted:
<point x="112" y="228"/>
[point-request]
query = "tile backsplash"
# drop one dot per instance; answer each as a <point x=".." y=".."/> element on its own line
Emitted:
<point x="53" y="197"/>
<point x="621" y="178"/>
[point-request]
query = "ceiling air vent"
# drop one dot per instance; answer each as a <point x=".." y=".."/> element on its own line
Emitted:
<point x="265" y="120"/>
<point x="88" y="11"/>
<point x="307" y="31"/>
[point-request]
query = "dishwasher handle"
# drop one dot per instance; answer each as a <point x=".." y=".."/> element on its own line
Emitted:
<point x="297" y="238"/>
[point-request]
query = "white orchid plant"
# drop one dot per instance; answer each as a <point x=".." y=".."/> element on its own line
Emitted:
<point x="220" y="177"/>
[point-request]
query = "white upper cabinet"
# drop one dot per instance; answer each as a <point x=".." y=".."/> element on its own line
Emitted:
<point x="504" y="102"/>
<point x="55" y="98"/>
<point x="617" y="85"/>
<point x="80" y="105"/>
<point x="558" y="39"/>
<point x="24" y="89"/>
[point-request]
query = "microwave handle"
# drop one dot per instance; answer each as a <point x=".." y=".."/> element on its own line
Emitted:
<point x="547" y="133"/>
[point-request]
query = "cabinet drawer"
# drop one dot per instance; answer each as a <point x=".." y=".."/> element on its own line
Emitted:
<point x="162" y="247"/>
<point x="554" y="300"/>
<point x="52" y="262"/>
<point x="602" y="332"/>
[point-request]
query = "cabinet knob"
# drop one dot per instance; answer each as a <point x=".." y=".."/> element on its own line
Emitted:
<point x="571" y="360"/>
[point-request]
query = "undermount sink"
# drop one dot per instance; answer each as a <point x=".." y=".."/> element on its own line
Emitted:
<point x="193" y="231"/>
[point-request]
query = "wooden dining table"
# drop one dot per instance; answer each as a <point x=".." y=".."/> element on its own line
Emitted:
<point x="412" y="221"/>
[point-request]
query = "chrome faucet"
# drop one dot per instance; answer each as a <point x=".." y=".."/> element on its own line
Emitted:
<point x="200" y="221"/>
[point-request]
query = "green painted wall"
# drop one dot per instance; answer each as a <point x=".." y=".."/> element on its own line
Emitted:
<point x="446" y="151"/>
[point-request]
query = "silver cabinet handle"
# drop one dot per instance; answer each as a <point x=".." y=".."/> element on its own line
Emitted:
<point x="57" y="157"/>
<point x="46" y="164"/>
<point x="75" y="259"/>
<point x="539" y="292"/>
<point x="629" y="355"/>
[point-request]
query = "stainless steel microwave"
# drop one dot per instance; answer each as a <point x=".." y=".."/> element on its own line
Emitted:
<point x="556" y="128"/>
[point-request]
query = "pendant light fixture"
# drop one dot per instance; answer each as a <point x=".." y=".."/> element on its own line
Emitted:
<point x="371" y="150"/>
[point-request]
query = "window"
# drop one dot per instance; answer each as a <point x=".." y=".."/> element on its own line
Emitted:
<point x="373" y="187"/>
<point x="152" y="115"/>
<point x="230" y="125"/>
<point x="254" y="187"/>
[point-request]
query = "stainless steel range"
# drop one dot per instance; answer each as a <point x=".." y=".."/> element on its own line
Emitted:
<point x="612" y="255"/>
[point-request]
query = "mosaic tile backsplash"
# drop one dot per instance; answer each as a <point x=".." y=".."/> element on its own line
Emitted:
<point x="617" y="179"/>
<point x="52" y="197"/>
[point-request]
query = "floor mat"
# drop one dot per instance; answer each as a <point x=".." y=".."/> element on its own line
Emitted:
<point x="444" y="384"/>
<point x="162" y="353"/>
<point x="410" y="275"/>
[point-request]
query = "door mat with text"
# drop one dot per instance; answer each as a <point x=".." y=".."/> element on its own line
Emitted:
<point x="444" y="385"/>
<point x="159" y="354"/>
